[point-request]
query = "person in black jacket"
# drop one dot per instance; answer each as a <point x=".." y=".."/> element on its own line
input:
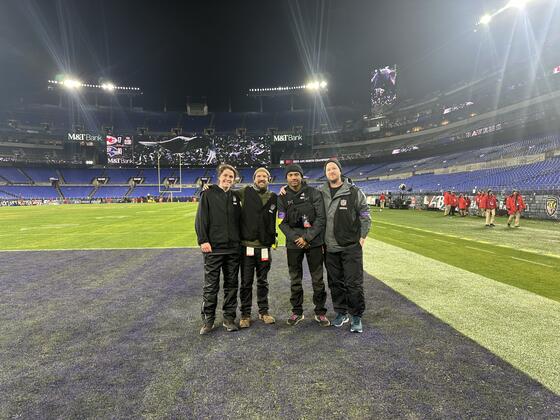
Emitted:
<point x="347" y="225"/>
<point x="217" y="228"/>
<point x="258" y="235"/>
<point x="303" y="221"/>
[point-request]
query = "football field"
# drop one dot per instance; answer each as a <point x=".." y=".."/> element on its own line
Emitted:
<point x="99" y="318"/>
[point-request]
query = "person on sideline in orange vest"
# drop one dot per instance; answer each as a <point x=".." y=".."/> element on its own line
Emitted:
<point x="482" y="204"/>
<point x="490" y="204"/>
<point x="447" y="202"/>
<point x="462" y="205"/>
<point x="515" y="205"/>
<point x="382" y="201"/>
<point x="468" y="204"/>
<point x="454" y="201"/>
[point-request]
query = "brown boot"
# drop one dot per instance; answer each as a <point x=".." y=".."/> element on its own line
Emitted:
<point x="245" y="321"/>
<point x="206" y="328"/>
<point x="267" y="319"/>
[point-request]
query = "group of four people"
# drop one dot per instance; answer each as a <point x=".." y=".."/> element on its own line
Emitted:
<point x="237" y="229"/>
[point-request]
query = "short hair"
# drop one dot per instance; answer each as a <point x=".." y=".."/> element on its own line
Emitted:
<point x="225" y="166"/>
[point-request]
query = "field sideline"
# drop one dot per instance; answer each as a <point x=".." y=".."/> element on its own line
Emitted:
<point x="500" y="287"/>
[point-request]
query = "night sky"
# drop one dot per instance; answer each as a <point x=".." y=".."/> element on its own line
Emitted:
<point x="219" y="49"/>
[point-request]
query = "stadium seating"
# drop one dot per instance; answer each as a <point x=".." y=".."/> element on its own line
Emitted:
<point x="76" y="192"/>
<point x="110" y="192"/>
<point x="14" y="175"/>
<point x="30" y="192"/>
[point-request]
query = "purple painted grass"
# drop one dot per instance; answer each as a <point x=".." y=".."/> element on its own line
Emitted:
<point x="115" y="334"/>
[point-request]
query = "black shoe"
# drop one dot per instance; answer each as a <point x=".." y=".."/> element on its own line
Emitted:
<point x="487" y="225"/>
<point x="492" y="225"/>
<point x="230" y="325"/>
<point x="509" y="224"/>
<point x="206" y="328"/>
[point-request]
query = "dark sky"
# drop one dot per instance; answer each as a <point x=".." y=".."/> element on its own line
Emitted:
<point x="173" y="49"/>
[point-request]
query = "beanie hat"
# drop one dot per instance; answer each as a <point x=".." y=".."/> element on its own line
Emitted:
<point x="294" y="167"/>
<point x="261" y="169"/>
<point x="335" y="161"/>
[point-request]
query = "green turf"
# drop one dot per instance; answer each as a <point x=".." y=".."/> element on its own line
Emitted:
<point x="98" y="226"/>
<point x="465" y="243"/>
<point x="528" y="258"/>
<point x="514" y="324"/>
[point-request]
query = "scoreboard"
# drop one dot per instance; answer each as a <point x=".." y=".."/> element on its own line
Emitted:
<point x="120" y="150"/>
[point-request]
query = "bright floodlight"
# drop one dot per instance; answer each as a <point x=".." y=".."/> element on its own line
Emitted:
<point x="520" y="4"/>
<point x="485" y="20"/>
<point x="108" y="86"/>
<point x="72" y="83"/>
<point x="316" y="85"/>
<point x="312" y="85"/>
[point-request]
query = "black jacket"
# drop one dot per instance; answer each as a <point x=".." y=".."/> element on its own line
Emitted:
<point x="258" y="219"/>
<point x="218" y="219"/>
<point x="293" y="206"/>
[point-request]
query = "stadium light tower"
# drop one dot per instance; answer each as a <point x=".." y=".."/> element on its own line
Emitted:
<point x="485" y="20"/>
<point x="71" y="83"/>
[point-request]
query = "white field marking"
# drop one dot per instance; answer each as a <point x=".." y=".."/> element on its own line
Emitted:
<point x="481" y="250"/>
<point x="532" y="262"/>
<point x="443" y="240"/>
<point x="415" y="234"/>
<point x="529" y="251"/>
<point x="401" y="242"/>
<point x="379" y="227"/>
<point x="60" y="226"/>
<point x="146" y="211"/>
<point x="111" y="217"/>
<point x="99" y="249"/>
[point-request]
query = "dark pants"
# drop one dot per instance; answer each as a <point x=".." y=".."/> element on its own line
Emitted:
<point x="345" y="274"/>
<point x="250" y="265"/>
<point x="295" y="267"/>
<point x="229" y="265"/>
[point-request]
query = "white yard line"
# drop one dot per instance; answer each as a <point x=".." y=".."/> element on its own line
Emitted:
<point x="532" y="262"/>
<point x="443" y="240"/>
<point x="481" y="250"/>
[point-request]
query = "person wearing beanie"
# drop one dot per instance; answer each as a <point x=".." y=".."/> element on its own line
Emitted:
<point x="348" y="223"/>
<point x="293" y="167"/>
<point x="258" y="235"/>
<point x="301" y="209"/>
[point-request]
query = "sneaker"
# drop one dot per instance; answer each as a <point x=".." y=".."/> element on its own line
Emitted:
<point x="206" y="328"/>
<point x="509" y="224"/>
<point x="245" y="321"/>
<point x="356" y="326"/>
<point x="322" y="320"/>
<point x="295" y="319"/>
<point x="229" y="325"/>
<point x="266" y="318"/>
<point x="340" y="319"/>
<point x="492" y="225"/>
<point x="487" y="225"/>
